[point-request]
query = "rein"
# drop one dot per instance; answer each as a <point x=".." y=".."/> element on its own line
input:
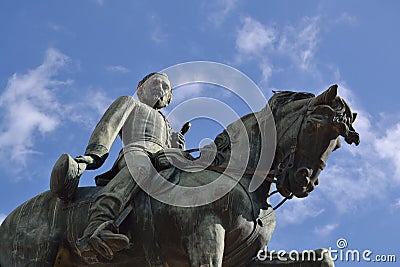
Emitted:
<point x="266" y="174"/>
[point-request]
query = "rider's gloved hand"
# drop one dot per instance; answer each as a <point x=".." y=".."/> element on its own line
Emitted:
<point x="89" y="160"/>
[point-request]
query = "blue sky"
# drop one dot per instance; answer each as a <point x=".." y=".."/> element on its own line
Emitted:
<point x="63" y="62"/>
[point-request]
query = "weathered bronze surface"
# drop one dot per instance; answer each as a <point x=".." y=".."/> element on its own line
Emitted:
<point x="228" y="232"/>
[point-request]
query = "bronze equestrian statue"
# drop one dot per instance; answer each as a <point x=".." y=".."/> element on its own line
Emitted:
<point x="230" y="231"/>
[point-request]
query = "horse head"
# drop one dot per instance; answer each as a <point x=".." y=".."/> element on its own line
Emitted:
<point x="308" y="129"/>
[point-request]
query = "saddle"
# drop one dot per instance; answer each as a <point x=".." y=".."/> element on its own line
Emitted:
<point x="161" y="160"/>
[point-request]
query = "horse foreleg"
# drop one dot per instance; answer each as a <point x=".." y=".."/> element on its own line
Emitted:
<point x="205" y="244"/>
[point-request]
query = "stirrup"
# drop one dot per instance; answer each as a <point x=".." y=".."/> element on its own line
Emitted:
<point x="105" y="242"/>
<point x="88" y="255"/>
<point x="99" y="245"/>
<point x="116" y="242"/>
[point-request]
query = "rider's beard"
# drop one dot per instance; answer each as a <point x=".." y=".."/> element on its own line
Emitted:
<point x="160" y="102"/>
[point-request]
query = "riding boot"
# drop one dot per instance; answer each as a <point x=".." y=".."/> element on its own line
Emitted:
<point x="100" y="237"/>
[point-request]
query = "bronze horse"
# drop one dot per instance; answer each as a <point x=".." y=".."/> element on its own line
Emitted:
<point x="227" y="232"/>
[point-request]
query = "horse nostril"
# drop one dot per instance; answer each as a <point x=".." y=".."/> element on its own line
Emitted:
<point x="303" y="176"/>
<point x="310" y="187"/>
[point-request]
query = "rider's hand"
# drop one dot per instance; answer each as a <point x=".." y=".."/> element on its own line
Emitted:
<point x="178" y="140"/>
<point x="89" y="160"/>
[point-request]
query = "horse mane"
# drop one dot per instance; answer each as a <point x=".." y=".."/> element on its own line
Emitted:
<point x="284" y="97"/>
<point x="222" y="140"/>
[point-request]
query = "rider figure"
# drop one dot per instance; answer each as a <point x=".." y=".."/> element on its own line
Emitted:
<point x="144" y="130"/>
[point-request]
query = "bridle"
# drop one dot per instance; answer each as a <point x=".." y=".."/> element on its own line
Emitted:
<point x="287" y="163"/>
<point x="282" y="168"/>
<point x="270" y="175"/>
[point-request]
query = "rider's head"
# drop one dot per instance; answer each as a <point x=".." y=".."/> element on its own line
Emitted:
<point x="155" y="90"/>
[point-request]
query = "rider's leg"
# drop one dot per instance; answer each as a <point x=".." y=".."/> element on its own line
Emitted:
<point x="109" y="204"/>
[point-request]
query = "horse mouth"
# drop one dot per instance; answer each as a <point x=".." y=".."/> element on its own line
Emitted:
<point x="299" y="183"/>
<point x="283" y="185"/>
<point x="303" y="182"/>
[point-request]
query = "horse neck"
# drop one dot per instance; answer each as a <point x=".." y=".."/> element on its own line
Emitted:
<point x="260" y="195"/>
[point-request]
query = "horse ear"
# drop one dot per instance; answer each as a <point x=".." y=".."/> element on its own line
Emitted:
<point x="327" y="96"/>
<point x="354" y="116"/>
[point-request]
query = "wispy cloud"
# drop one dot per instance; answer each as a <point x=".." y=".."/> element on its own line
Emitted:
<point x="55" y="27"/>
<point x="347" y="186"/>
<point x="99" y="2"/>
<point x="157" y="33"/>
<point x="397" y="203"/>
<point x="346" y="18"/>
<point x="325" y="230"/>
<point x="223" y="9"/>
<point x="264" y="44"/>
<point x="266" y="71"/>
<point x="254" y="37"/>
<point x="388" y="148"/>
<point x="298" y="210"/>
<point x="87" y="113"/>
<point x="118" y="68"/>
<point x="300" y="41"/>
<point x="186" y="92"/>
<point x="29" y="106"/>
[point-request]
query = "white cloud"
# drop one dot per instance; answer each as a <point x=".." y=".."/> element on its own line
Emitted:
<point x="388" y="148"/>
<point x="100" y="2"/>
<point x="298" y="210"/>
<point x="118" y="68"/>
<point x="346" y="18"/>
<point x="266" y="70"/>
<point x="253" y="37"/>
<point x="397" y="203"/>
<point x="325" y="230"/>
<point x="88" y="110"/>
<point x="28" y="106"/>
<point x="300" y="41"/>
<point x="186" y="92"/>
<point x="55" y="27"/>
<point x="349" y="184"/>
<point x="2" y="217"/>
<point x="296" y="44"/>
<point x="31" y="108"/>
<point x="225" y="7"/>
<point x="157" y="33"/>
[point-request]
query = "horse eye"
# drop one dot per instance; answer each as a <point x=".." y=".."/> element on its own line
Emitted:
<point x="320" y="117"/>
<point x="310" y="126"/>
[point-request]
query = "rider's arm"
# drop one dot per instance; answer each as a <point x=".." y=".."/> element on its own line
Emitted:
<point x="107" y="129"/>
<point x="178" y="139"/>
